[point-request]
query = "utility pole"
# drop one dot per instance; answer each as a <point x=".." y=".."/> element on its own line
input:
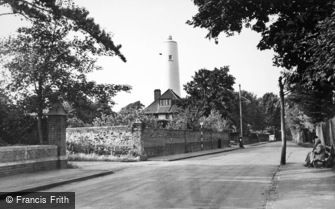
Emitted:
<point x="282" y="119"/>
<point x="241" y="124"/>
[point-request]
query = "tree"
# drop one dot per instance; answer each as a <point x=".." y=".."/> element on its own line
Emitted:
<point x="215" y="122"/>
<point x="252" y="112"/>
<point x="132" y="107"/>
<point x="253" y="116"/>
<point x="186" y="117"/>
<point x="283" y="24"/>
<point x="270" y="105"/>
<point x="47" y="67"/>
<point x="126" y="116"/>
<point x="15" y="126"/>
<point x="131" y="112"/>
<point x="317" y="104"/>
<point x="315" y="86"/>
<point x="210" y="90"/>
<point x="300" y="32"/>
<point x="321" y="47"/>
<point x="50" y="10"/>
<point x="299" y="124"/>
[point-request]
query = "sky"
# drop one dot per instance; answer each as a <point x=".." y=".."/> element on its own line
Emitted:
<point x="141" y="27"/>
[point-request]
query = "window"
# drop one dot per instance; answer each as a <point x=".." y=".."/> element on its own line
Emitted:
<point x="170" y="57"/>
<point x="164" y="102"/>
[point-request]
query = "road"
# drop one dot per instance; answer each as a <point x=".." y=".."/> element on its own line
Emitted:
<point x="237" y="179"/>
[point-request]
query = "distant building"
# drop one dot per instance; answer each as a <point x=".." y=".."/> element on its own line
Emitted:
<point x="170" y="71"/>
<point x="164" y="105"/>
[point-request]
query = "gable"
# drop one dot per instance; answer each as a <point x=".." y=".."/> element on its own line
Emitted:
<point x="156" y="108"/>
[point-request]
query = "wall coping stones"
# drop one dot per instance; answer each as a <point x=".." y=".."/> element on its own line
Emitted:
<point x="26" y="147"/>
<point x="96" y="128"/>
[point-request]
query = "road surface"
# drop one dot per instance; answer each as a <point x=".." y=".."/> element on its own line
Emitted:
<point x="237" y="179"/>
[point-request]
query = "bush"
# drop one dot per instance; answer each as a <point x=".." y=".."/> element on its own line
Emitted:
<point x="17" y="128"/>
<point x="75" y="122"/>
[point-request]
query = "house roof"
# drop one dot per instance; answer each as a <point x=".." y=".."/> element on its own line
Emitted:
<point x="170" y="94"/>
<point x="155" y="108"/>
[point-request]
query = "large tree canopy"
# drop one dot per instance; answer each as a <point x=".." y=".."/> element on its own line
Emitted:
<point x="211" y="90"/>
<point x="270" y="105"/>
<point x="282" y="23"/>
<point x="313" y="89"/>
<point x="48" y="10"/>
<point x="48" y="63"/>
<point x="300" y="32"/>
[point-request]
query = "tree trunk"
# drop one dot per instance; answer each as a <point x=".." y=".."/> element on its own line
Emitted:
<point x="39" y="112"/>
<point x="282" y="118"/>
<point x="39" y="128"/>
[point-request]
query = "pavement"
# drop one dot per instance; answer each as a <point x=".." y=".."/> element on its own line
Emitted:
<point x="80" y="171"/>
<point x="31" y="182"/>
<point x="291" y="185"/>
<point x="192" y="154"/>
<point x="236" y="179"/>
<point x="295" y="186"/>
<point x="184" y="156"/>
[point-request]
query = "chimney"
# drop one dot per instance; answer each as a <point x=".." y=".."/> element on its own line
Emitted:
<point x="157" y="94"/>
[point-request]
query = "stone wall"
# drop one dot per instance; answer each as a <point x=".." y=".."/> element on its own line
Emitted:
<point x="31" y="158"/>
<point x="160" y="142"/>
<point x="19" y="159"/>
<point x="108" y="140"/>
<point x="122" y="140"/>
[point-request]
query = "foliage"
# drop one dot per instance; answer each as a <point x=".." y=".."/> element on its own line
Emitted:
<point x="215" y="122"/>
<point x="253" y="115"/>
<point x="314" y="88"/>
<point x="66" y="10"/>
<point x="132" y="107"/>
<point x="316" y="104"/>
<point x="322" y="50"/>
<point x="271" y="108"/>
<point x="181" y="120"/>
<point x="210" y="90"/>
<point x="46" y="67"/>
<point x="291" y="22"/>
<point x="126" y="116"/>
<point x="130" y="113"/>
<point x="299" y="124"/>
<point x="252" y="112"/>
<point x="188" y="115"/>
<point x="104" y="120"/>
<point x="296" y="118"/>
<point x="300" y="32"/>
<point x="15" y="127"/>
<point x="185" y="119"/>
<point x="150" y="121"/>
<point x="74" y="122"/>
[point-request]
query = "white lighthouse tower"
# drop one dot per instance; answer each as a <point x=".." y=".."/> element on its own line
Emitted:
<point x="171" y="71"/>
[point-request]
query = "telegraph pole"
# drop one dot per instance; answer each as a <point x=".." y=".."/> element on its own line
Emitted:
<point x="241" y="124"/>
<point x="282" y="118"/>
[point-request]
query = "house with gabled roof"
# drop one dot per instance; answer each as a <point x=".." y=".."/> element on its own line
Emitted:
<point x="164" y="105"/>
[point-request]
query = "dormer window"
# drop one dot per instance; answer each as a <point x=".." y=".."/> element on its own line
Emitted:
<point x="165" y="102"/>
